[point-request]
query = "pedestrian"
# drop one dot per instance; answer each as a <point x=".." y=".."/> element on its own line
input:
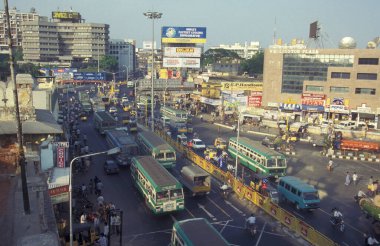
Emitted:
<point x="106" y="229"/>
<point x="113" y="227"/>
<point x="83" y="218"/>
<point x="96" y="223"/>
<point x="348" y="179"/>
<point x="90" y="186"/>
<point x="99" y="187"/>
<point x="355" y="178"/>
<point x="84" y="190"/>
<point x="100" y="200"/>
<point x="201" y="118"/>
<point x="102" y="241"/>
<point x="85" y="139"/>
<point x="330" y="165"/>
<point x="117" y="222"/>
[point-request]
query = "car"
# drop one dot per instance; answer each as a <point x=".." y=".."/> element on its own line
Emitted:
<point x="112" y="110"/>
<point x="124" y="99"/>
<point x="196" y="143"/>
<point x="110" y="167"/>
<point x="346" y="125"/>
<point x="268" y="143"/>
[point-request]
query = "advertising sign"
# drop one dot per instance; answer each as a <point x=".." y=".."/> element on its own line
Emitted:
<point x="182" y="62"/>
<point x="182" y="52"/>
<point x="239" y="86"/>
<point x="60" y="157"/>
<point x="66" y="15"/>
<point x="189" y="35"/>
<point x="89" y="76"/>
<point x="254" y="101"/>
<point x="59" y="194"/>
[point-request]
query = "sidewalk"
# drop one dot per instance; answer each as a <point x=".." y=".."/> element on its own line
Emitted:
<point x="37" y="228"/>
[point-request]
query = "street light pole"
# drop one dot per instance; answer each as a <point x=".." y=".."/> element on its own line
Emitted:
<point x="108" y="152"/>
<point x="237" y="142"/>
<point x="153" y="16"/>
<point x="98" y="38"/>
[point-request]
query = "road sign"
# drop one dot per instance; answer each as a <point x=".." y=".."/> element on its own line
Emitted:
<point x="61" y="144"/>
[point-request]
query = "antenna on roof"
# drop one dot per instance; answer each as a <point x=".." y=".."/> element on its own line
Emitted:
<point x="274" y="30"/>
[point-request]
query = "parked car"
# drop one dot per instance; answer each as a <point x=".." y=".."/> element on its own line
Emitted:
<point x="196" y="143"/>
<point x="111" y="167"/>
<point x="350" y="125"/>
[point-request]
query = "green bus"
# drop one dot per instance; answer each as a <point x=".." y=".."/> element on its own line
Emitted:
<point x="179" y="120"/>
<point x="196" y="232"/>
<point x="155" y="146"/>
<point x="162" y="192"/>
<point x="173" y="113"/>
<point x="257" y="157"/>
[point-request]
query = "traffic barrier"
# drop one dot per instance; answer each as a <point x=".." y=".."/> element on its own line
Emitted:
<point x="285" y="217"/>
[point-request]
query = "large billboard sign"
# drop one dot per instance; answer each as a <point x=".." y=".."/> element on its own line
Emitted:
<point x="89" y="76"/>
<point x="242" y="86"/>
<point x="65" y="15"/>
<point x="182" y="52"/>
<point x="181" y="62"/>
<point x="189" y="35"/>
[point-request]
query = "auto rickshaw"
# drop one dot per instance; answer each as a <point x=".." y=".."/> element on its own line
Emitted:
<point x="261" y="183"/>
<point x="83" y="234"/>
<point x="196" y="180"/>
<point x="211" y="153"/>
<point x="220" y="143"/>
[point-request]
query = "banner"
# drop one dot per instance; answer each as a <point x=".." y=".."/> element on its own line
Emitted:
<point x="60" y="157"/>
<point x="189" y="35"/>
<point x="241" y="86"/>
<point x="254" y="101"/>
<point x="182" y="52"/>
<point x="182" y="62"/>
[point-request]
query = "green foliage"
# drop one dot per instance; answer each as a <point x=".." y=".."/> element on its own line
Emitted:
<point x="218" y="55"/>
<point x="255" y="65"/>
<point x="108" y="63"/>
<point x="18" y="55"/>
<point x="28" y="68"/>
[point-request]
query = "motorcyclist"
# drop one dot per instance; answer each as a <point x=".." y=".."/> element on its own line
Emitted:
<point x="337" y="216"/>
<point x="371" y="240"/>
<point x="251" y="221"/>
<point x="224" y="189"/>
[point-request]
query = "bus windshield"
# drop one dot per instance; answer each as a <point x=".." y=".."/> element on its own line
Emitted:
<point x="271" y="163"/>
<point x="170" y="155"/>
<point x="310" y="195"/>
<point x="175" y="194"/>
<point x="162" y="196"/>
<point x="160" y="156"/>
<point x="281" y="162"/>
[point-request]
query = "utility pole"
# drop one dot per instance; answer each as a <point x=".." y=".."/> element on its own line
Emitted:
<point x="21" y="160"/>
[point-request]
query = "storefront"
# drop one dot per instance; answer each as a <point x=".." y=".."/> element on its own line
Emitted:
<point x="291" y="110"/>
<point x="209" y="105"/>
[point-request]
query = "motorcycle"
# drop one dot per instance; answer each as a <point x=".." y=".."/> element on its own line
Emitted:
<point x="337" y="223"/>
<point x="225" y="191"/>
<point x="252" y="228"/>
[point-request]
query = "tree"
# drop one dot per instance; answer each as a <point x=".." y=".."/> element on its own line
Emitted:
<point x="254" y="65"/>
<point x="212" y="56"/>
<point x="108" y="63"/>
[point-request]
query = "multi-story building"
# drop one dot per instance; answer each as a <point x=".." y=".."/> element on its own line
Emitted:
<point x="339" y="83"/>
<point x="16" y="20"/>
<point x="144" y="58"/>
<point x="124" y="52"/>
<point x="65" y="40"/>
<point x="245" y="50"/>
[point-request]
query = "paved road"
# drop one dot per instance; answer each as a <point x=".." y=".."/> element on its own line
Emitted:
<point x="143" y="228"/>
<point x="309" y="165"/>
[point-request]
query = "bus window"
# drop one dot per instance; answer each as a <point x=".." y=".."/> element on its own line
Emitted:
<point x="170" y="155"/>
<point x="160" y="156"/>
<point x="271" y="162"/>
<point x="310" y="195"/>
<point x="162" y="196"/>
<point x="175" y="194"/>
<point x="281" y="162"/>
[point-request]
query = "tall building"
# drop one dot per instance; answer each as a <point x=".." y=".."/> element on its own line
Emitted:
<point x="245" y="50"/>
<point x="124" y="52"/>
<point x="65" y="40"/>
<point x="339" y="82"/>
<point x="16" y="20"/>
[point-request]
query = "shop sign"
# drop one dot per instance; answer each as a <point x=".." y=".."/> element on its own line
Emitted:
<point x="249" y="86"/>
<point x="254" y="101"/>
<point x="273" y="104"/>
<point x="364" y="110"/>
<point x="60" y="157"/>
<point x="312" y="108"/>
<point x="210" y="101"/>
<point x="338" y="109"/>
<point x="290" y="106"/>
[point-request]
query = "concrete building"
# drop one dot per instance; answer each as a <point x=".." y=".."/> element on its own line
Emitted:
<point x="64" y="41"/>
<point x="16" y="20"/>
<point x="124" y="52"/>
<point x="246" y="50"/>
<point x="332" y="83"/>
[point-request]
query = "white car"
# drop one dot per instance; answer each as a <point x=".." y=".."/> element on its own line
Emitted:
<point x="196" y="143"/>
<point x="350" y="125"/>
<point x="112" y="110"/>
<point x="124" y="99"/>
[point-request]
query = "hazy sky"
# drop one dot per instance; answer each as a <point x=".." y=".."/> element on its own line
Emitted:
<point x="227" y="21"/>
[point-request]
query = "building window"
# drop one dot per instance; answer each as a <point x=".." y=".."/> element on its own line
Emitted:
<point x="314" y="88"/>
<point x="367" y="76"/>
<point x="368" y="61"/>
<point x="339" y="89"/>
<point x="340" y="75"/>
<point x="366" y="91"/>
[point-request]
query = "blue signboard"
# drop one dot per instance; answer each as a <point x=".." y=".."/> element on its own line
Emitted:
<point x="313" y="107"/>
<point x="89" y="76"/>
<point x="183" y="34"/>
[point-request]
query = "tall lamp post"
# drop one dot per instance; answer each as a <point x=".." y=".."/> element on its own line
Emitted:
<point x="98" y="39"/>
<point x="108" y="152"/>
<point x="237" y="138"/>
<point x="152" y="16"/>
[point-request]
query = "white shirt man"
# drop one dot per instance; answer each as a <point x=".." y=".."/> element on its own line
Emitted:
<point x="100" y="200"/>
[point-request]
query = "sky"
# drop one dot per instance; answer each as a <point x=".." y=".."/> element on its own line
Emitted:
<point x="227" y="21"/>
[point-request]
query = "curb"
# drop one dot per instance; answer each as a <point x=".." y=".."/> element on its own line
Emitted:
<point x="354" y="158"/>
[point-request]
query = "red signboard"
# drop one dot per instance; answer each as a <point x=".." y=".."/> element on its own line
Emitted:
<point x="313" y="99"/>
<point x="254" y="101"/>
<point x="256" y="93"/>
<point x="58" y="190"/>
<point x="60" y="157"/>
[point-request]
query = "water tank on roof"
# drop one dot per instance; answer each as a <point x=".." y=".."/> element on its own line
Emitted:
<point x="347" y="43"/>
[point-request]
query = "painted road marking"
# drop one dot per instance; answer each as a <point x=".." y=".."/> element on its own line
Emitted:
<point x="353" y="228"/>
<point x="192" y="215"/>
<point x="261" y="234"/>
<point x="221" y="209"/>
<point x="207" y="212"/>
<point x="221" y="231"/>
<point x="235" y="208"/>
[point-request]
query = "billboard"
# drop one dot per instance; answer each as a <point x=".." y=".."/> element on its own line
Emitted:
<point x="65" y="15"/>
<point x="310" y="99"/>
<point x="181" y="62"/>
<point x="89" y="76"/>
<point x="189" y="35"/>
<point x="61" y="157"/>
<point x="241" y="86"/>
<point x="313" y="30"/>
<point x="254" y="101"/>
<point x="182" y="52"/>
